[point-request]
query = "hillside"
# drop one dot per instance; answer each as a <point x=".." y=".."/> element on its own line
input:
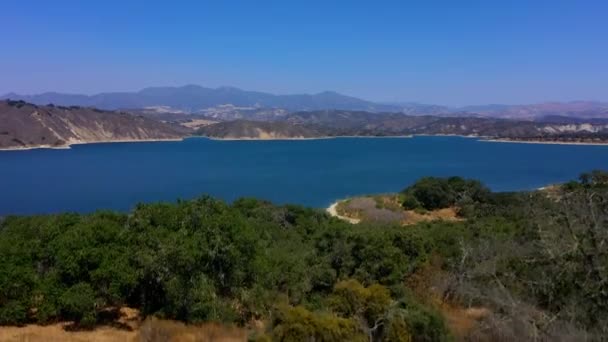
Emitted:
<point x="360" y="123"/>
<point x="243" y="129"/>
<point x="24" y="125"/>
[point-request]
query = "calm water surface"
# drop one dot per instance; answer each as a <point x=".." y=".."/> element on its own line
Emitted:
<point x="308" y="172"/>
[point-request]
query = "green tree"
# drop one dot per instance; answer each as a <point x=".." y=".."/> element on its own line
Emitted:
<point x="78" y="303"/>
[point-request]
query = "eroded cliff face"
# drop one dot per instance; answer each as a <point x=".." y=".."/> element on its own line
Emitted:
<point x="24" y="125"/>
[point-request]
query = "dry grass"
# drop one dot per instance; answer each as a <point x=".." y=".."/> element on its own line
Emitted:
<point x="366" y="209"/>
<point x="388" y="209"/>
<point x="198" y="123"/>
<point x="128" y="328"/>
<point x="153" y="330"/>
<point x="58" y="333"/>
<point x="446" y="214"/>
<point x="462" y="321"/>
<point x="428" y="284"/>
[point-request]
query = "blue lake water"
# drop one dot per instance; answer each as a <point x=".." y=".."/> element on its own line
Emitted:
<point x="309" y="172"/>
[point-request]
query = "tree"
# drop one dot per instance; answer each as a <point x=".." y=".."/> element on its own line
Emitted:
<point x="367" y="305"/>
<point x="299" y="324"/>
<point x="79" y="304"/>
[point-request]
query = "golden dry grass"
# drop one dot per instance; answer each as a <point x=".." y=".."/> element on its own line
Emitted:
<point x="127" y="328"/>
<point x="153" y="330"/>
<point x="388" y="208"/>
<point x="446" y="214"/>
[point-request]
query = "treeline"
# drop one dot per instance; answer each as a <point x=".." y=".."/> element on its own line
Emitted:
<point x="532" y="263"/>
<point x="205" y="260"/>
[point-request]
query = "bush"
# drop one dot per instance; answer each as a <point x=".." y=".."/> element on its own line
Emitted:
<point x="410" y="202"/>
<point x="78" y="304"/>
<point x="13" y="312"/>
<point x="436" y="193"/>
<point x="299" y="324"/>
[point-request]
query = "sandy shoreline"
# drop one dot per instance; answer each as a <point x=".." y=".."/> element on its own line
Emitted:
<point x="68" y="146"/>
<point x="311" y="138"/>
<point x="332" y="211"/>
<point x="479" y="138"/>
<point x="543" y="142"/>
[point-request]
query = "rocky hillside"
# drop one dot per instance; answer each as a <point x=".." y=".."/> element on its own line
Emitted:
<point x="243" y="129"/>
<point x="24" y="125"/>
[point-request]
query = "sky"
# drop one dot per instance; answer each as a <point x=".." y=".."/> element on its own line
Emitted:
<point x="441" y="52"/>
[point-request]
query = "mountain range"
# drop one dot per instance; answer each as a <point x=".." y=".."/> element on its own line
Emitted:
<point x="214" y="102"/>
<point x="193" y="98"/>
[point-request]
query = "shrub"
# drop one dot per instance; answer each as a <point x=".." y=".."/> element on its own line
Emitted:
<point x="299" y="324"/>
<point x="78" y="304"/>
<point x="410" y="202"/>
<point x="436" y="193"/>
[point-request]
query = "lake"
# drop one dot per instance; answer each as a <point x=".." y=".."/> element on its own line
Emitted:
<point x="309" y="172"/>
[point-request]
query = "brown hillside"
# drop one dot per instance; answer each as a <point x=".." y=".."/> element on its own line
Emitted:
<point x="24" y="125"/>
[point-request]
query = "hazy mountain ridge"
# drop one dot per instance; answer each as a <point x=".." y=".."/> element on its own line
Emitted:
<point x="24" y="125"/>
<point x="579" y="109"/>
<point x="194" y="98"/>
<point x="246" y="104"/>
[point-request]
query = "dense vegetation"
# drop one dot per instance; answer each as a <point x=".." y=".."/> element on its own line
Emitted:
<point x="432" y="193"/>
<point x="533" y="263"/>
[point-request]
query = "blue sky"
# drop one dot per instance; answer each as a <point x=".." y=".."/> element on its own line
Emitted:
<point x="443" y="52"/>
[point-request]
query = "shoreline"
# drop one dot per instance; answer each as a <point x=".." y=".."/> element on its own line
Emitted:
<point x="548" y="142"/>
<point x="302" y="138"/>
<point x="69" y="145"/>
<point x="479" y="138"/>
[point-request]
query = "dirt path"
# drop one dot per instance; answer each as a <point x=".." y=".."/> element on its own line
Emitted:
<point x="332" y="210"/>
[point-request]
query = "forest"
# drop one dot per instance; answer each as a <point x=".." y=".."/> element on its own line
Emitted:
<point x="518" y="266"/>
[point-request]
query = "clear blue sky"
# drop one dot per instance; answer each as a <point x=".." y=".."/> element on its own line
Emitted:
<point x="444" y="52"/>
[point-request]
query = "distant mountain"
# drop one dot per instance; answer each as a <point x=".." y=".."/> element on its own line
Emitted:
<point x="192" y="98"/>
<point x="414" y="108"/>
<point x="229" y="103"/>
<point x="24" y="125"/>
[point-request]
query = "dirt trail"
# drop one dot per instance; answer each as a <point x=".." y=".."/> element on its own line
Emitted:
<point x="332" y="210"/>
